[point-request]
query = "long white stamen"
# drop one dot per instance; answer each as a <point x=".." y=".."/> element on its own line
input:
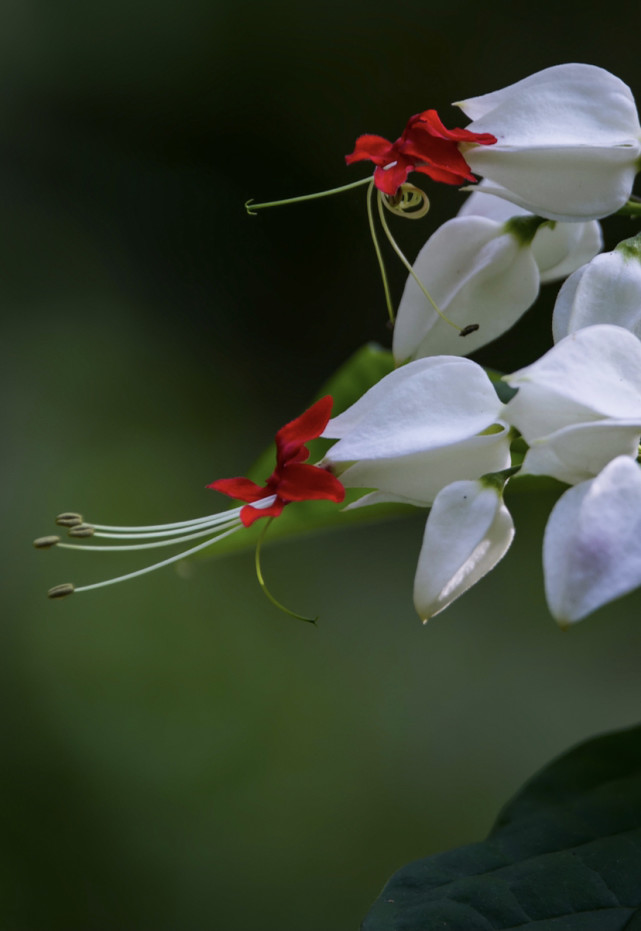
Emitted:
<point x="158" y="565"/>
<point x="221" y="516"/>
<point x="207" y="527"/>
<point x="123" y="548"/>
<point x="215" y="527"/>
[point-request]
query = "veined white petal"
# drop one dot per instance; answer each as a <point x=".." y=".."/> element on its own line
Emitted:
<point x="558" y="250"/>
<point x="561" y="105"/>
<point x="418" y="478"/>
<point x="607" y="290"/>
<point x="571" y="182"/>
<point x="568" y="144"/>
<point x="592" y="543"/>
<point x="468" y="531"/>
<point x="426" y="404"/>
<point x="476" y="274"/>
<point x="482" y="203"/>
<point x="578" y="452"/>
<point x="381" y="497"/>
<point x="592" y="374"/>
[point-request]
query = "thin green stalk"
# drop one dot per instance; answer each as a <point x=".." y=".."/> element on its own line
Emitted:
<point x="379" y="254"/>
<point x="261" y="581"/>
<point x="297" y="200"/>
<point x="409" y="268"/>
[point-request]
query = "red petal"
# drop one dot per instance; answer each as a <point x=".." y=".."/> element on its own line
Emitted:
<point x="300" y="456"/>
<point x="374" y="148"/>
<point x="241" y="488"/>
<point x="439" y="158"/>
<point x="388" y="180"/>
<point x="432" y="123"/>
<point x="308" y="426"/>
<point x="444" y="175"/>
<point x="250" y="514"/>
<point x="305" y="482"/>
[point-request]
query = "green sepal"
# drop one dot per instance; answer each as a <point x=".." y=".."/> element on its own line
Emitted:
<point x="630" y="248"/>
<point x="524" y="229"/>
<point x="505" y="392"/>
<point x="564" y="855"/>
<point x="633" y="207"/>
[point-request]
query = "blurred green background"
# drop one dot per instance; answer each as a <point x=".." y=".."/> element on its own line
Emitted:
<point x="176" y="754"/>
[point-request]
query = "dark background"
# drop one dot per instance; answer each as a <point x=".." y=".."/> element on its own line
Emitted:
<point x="176" y="754"/>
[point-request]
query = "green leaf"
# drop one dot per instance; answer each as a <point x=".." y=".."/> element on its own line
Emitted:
<point x="564" y="855"/>
<point x="362" y="370"/>
<point x="365" y="368"/>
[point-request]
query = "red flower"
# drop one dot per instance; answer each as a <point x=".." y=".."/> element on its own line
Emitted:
<point x="425" y="146"/>
<point x="293" y="479"/>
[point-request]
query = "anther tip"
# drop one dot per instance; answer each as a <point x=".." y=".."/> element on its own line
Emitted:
<point x="43" y="543"/>
<point x="69" y="519"/>
<point x="60" y="591"/>
<point x="252" y="213"/>
<point x="470" y="328"/>
<point x="82" y="530"/>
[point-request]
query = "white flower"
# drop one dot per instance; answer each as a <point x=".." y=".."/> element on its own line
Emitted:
<point x="592" y="545"/>
<point x="579" y="405"/>
<point x="420" y="428"/>
<point x="468" y="531"/>
<point x="477" y="273"/>
<point x="484" y="267"/>
<point x="569" y="142"/>
<point x="607" y="290"/>
<point x="558" y="248"/>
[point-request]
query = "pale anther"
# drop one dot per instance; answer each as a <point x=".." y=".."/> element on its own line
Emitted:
<point x="43" y="543"/>
<point x="82" y="530"/>
<point x="69" y="519"/>
<point x="60" y="591"/>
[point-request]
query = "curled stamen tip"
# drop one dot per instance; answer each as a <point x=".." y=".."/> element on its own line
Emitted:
<point x="43" y="543"/>
<point x="60" y="591"/>
<point x="470" y="328"/>
<point x="82" y="530"/>
<point x="252" y="213"/>
<point x="69" y="519"/>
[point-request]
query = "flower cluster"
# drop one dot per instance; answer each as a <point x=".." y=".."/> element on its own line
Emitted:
<point x="556" y="153"/>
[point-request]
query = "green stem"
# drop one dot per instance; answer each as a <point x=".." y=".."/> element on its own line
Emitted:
<point x="409" y="268"/>
<point x="297" y="200"/>
<point x="379" y="254"/>
<point x="261" y="580"/>
<point x="631" y="209"/>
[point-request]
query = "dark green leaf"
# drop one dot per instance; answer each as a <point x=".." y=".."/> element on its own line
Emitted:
<point x="564" y="855"/>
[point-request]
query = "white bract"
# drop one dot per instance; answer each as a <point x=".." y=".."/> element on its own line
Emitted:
<point x="423" y="426"/>
<point x="607" y="290"/>
<point x="592" y="545"/>
<point x="579" y="405"/>
<point x="568" y="142"/>
<point x="468" y="531"/>
<point x="558" y="248"/>
<point x="477" y="273"/>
